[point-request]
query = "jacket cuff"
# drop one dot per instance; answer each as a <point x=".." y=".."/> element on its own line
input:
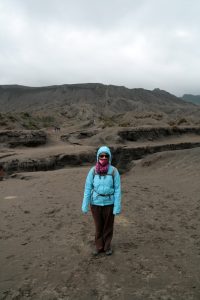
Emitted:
<point x="116" y="211"/>
<point x="84" y="210"/>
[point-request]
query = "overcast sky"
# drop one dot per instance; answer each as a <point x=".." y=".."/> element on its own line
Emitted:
<point x="135" y="43"/>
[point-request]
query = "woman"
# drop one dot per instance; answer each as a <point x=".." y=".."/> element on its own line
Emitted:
<point x="103" y="193"/>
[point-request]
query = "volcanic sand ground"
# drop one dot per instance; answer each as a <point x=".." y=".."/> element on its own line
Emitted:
<point x="46" y="241"/>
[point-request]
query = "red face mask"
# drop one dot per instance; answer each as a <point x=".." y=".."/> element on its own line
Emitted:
<point x="103" y="161"/>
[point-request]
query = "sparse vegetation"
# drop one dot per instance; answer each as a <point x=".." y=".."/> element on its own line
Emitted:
<point x="26" y="121"/>
<point x="124" y="124"/>
<point x="107" y="121"/>
<point x="30" y="125"/>
<point x="175" y="127"/>
<point x="47" y="121"/>
<point x="3" y="121"/>
<point x="182" y="121"/>
<point x="171" y="123"/>
<point x="25" y="115"/>
<point x="37" y="122"/>
<point x="158" y="117"/>
<point x="12" y="118"/>
<point x="155" y="116"/>
<point x="175" y="123"/>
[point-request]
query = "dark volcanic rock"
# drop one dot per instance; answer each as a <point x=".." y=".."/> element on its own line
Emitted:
<point x="122" y="158"/>
<point x="27" y="138"/>
<point x="156" y="133"/>
<point x="49" y="163"/>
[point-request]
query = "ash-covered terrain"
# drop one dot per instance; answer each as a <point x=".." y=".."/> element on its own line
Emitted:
<point x="48" y="142"/>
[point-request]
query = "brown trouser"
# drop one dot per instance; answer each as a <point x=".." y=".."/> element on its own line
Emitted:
<point x="104" y="223"/>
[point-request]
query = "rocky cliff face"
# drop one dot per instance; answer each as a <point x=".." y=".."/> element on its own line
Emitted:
<point x="151" y="134"/>
<point x="123" y="154"/>
<point x="27" y="138"/>
<point x="123" y="158"/>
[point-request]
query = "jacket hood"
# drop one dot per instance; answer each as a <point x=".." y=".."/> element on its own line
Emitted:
<point x="104" y="149"/>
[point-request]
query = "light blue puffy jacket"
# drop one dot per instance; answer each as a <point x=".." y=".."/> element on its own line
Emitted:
<point x="103" y="190"/>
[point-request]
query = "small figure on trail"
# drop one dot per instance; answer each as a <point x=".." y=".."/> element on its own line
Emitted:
<point x="103" y="194"/>
<point x="2" y="172"/>
<point x="56" y="128"/>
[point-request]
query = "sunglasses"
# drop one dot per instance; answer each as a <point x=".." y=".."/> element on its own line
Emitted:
<point x="103" y="155"/>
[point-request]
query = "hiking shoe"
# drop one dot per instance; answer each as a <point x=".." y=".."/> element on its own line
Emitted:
<point x="96" y="252"/>
<point x="109" y="252"/>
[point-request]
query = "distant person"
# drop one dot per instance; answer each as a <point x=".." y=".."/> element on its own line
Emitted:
<point x="56" y="128"/>
<point x="2" y="172"/>
<point x="103" y="194"/>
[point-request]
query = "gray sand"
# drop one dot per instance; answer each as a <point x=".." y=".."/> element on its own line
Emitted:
<point x="46" y="241"/>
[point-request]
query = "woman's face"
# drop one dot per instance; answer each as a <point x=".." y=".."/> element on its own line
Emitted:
<point x="103" y="158"/>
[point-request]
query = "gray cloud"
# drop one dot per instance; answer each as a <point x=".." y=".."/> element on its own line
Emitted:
<point x="149" y="43"/>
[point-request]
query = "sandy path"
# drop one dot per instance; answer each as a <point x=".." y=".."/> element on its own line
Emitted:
<point x="46" y="242"/>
